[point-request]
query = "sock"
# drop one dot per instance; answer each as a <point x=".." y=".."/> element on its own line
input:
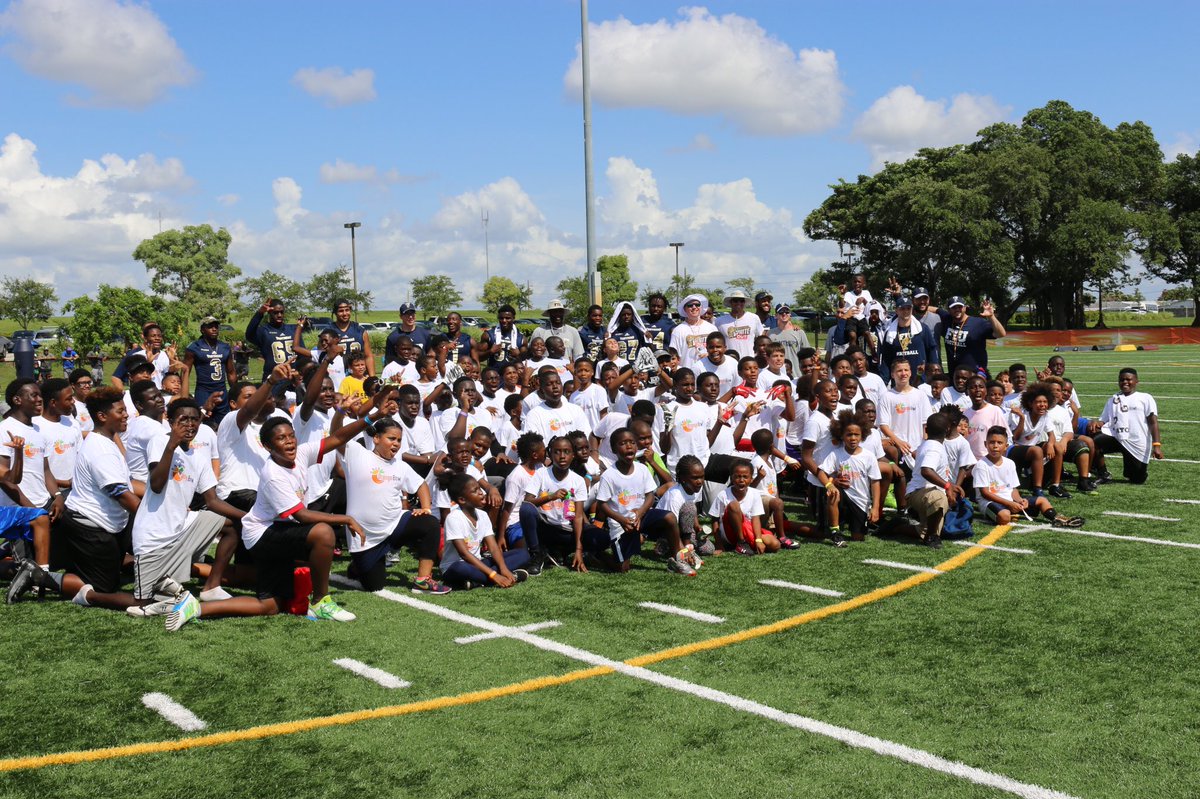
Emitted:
<point x="1050" y="514"/>
<point x="81" y="597"/>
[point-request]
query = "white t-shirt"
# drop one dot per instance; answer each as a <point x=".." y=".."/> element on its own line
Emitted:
<point x="726" y="371"/>
<point x="861" y="468"/>
<point x="873" y="444"/>
<point x="33" y="474"/>
<point x="99" y="466"/>
<point x="494" y="406"/>
<point x="689" y="431"/>
<point x="205" y="444"/>
<point x="514" y="486"/>
<point x="86" y="425"/>
<point x="162" y="517"/>
<point x="506" y="436"/>
<point x="281" y="493"/>
<point x="999" y="479"/>
<point x="691" y="342"/>
<point x="723" y="444"/>
<point x="242" y="455"/>
<point x="593" y="400"/>
<point x="137" y="439"/>
<point x="476" y="418"/>
<point x="751" y="504"/>
<point x="396" y="373"/>
<point x="375" y="492"/>
<point x="626" y="492"/>
<point x="740" y="333"/>
<point x="931" y="454"/>
<point x="554" y="422"/>
<point x="62" y="439"/>
<point x="905" y="415"/>
<point x="769" y="485"/>
<point x="1012" y="402"/>
<point x="872" y="385"/>
<point x="859" y="302"/>
<point x="1125" y="419"/>
<point x="418" y="439"/>
<point x="609" y="425"/>
<point x="441" y="496"/>
<point x="558" y="512"/>
<point x="459" y="527"/>
<point x="958" y="454"/>
<point x="531" y="401"/>
<point x="1060" y="421"/>
<point x="1031" y="432"/>
<point x="674" y="500"/>
<point x="817" y="431"/>
<point x="317" y="427"/>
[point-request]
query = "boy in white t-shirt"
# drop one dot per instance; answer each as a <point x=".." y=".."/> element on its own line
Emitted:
<point x="624" y="500"/>
<point x="902" y="414"/>
<point x="738" y="511"/>
<point x="1069" y="447"/>
<point x="932" y="489"/>
<point x="997" y="493"/>
<point x="552" y="508"/>
<point x="766" y="480"/>
<point x="1129" y="425"/>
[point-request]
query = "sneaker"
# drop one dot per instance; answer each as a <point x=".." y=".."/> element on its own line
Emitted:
<point x="680" y="567"/>
<point x="22" y="581"/>
<point x="1086" y="485"/>
<point x="328" y="610"/>
<point x="1103" y="477"/>
<point x="168" y="586"/>
<point x="689" y="556"/>
<point x="429" y="586"/>
<point x="160" y="608"/>
<point x="1058" y="492"/>
<point x="889" y="501"/>
<point x="933" y="541"/>
<point x="184" y="611"/>
<point x="1066" y="521"/>
<point x="742" y="549"/>
<point x="391" y="559"/>
<point x="215" y="594"/>
<point x="521" y="575"/>
<point x="551" y="562"/>
<point x="838" y="540"/>
<point x="788" y="543"/>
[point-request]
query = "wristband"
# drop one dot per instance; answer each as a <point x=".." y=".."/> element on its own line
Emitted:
<point x="492" y="576"/>
<point x="829" y="484"/>
<point x="947" y="486"/>
<point x="463" y="414"/>
<point x="1156" y="444"/>
<point x="758" y="540"/>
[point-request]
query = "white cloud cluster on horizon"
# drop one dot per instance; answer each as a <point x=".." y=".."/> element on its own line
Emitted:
<point x="902" y="122"/>
<point x="335" y="87"/>
<point x="79" y="230"/>
<point x="121" y="53"/>
<point x="1182" y="144"/>
<point x="703" y="64"/>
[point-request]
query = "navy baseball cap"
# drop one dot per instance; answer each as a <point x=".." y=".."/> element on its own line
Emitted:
<point x="904" y="301"/>
<point x="407" y="307"/>
<point x="956" y="301"/>
<point x="920" y="291"/>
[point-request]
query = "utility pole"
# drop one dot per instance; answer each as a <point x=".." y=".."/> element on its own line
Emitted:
<point x="593" y="282"/>
<point x="354" y="263"/>
<point x="678" y="282"/>
<point x="487" y="258"/>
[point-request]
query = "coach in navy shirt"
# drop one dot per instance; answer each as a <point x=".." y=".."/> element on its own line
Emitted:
<point x="277" y="341"/>
<point x="213" y="361"/>
<point x="966" y="336"/>
<point x="351" y="335"/>
<point x="419" y="336"/>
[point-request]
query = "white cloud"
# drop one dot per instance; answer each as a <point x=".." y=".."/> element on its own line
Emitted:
<point x="902" y="121"/>
<point x="1183" y="144"/>
<point x="121" y="53"/>
<point x="336" y="88"/>
<point x="228" y="199"/>
<point x="287" y="196"/>
<point x="348" y="172"/>
<point x="700" y="143"/>
<point x="702" y="64"/>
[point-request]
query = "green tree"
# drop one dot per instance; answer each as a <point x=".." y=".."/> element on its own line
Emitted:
<point x="254" y="291"/>
<point x="817" y="294"/>
<point x="1172" y="250"/>
<point x="435" y="294"/>
<point x="500" y="290"/>
<point x="680" y="287"/>
<point x="119" y="313"/>
<point x="326" y="288"/>
<point x="192" y="265"/>
<point x="746" y="284"/>
<point x="615" y="286"/>
<point x="26" y="300"/>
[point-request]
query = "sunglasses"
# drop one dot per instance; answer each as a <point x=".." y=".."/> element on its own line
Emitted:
<point x="691" y="305"/>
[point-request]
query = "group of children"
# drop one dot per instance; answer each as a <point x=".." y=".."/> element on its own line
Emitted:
<point x="494" y="475"/>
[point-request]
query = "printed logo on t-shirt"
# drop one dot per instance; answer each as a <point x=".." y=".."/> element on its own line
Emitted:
<point x="903" y="408"/>
<point x="178" y="473"/>
<point x="378" y="476"/>
<point x="689" y="426"/>
<point x="625" y="497"/>
<point x="31" y="451"/>
<point x="738" y="333"/>
<point x="60" y="446"/>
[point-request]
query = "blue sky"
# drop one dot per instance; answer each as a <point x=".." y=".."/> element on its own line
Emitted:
<point x="719" y="126"/>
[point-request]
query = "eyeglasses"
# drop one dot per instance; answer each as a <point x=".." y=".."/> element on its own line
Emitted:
<point x="691" y="305"/>
<point x="85" y="384"/>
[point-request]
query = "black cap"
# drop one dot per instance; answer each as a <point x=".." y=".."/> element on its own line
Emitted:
<point x="920" y="291"/>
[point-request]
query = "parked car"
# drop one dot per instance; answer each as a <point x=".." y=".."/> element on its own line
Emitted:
<point x="48" y="335"/>
<point x="6" y="345"/>
<point x="472" y="321"/>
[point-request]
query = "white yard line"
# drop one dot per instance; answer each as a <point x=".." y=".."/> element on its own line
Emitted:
<point x="1156" y="396"/>
<point x="373" y="674"/>
<point x="1173" y="460"/>
<point x="1160" y="541"/>
<point x="891" y="564"/>
<point x="1184" y="501"/>
<point x="809" y="589"/>
<point x="1179" y="421"/>
<point x="1151" y="516"/>
<point x="528" y="628"/>
<point x="174" y="712"/>
<point x="689" y="614"/>
<point x="881" y="746"/>
<point x="1013" y="550"/>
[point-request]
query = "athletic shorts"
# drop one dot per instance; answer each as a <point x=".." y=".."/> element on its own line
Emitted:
<point x="89" y="552"/>
<point x="175" y="559"/>
<point x="275" y="555"/>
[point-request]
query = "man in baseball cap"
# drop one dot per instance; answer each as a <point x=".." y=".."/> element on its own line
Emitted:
<point x="762" y="307"/>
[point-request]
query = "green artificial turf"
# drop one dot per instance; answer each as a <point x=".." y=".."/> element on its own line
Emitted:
<point x="1072" y="668"/>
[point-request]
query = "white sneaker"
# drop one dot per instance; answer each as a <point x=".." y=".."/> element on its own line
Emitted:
<point x="168" y="586"/>
<point x="161" y="608"/>
<point x="215" y="594"/>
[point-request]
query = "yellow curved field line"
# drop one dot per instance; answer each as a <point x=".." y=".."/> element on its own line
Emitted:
<point x="475" y="697"/>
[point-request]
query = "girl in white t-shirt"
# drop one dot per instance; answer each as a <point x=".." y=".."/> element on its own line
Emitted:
<point x="624" y="498"/>
<point x="552" y="511"/>
<point x="472" y="557"/>
<point x="738" y="511"/>
<point x="378" y="483"/>
<point x="587" y="394"/>
<point x="851" y="479"/>
<point x="889" y="472"/>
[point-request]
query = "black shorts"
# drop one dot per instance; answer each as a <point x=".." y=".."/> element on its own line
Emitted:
<point x="275" y="555"/>
<point x="333" y="500"/>
<point x="1136" y="472"/>
<point x="92" y="554"/>
<point x="1075" y="448"/>
<point x="852" y="516"/>
<point x="1017" y="454"/>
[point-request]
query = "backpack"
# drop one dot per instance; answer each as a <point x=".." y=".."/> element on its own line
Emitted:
<point x="958" y="520"/>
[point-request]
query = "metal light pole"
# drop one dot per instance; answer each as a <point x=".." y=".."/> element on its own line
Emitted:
<point x="678" y="284"/>
<point x="487" y="256"/>
<point x="593" y="282"/>
<point x="354" y="263"/>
